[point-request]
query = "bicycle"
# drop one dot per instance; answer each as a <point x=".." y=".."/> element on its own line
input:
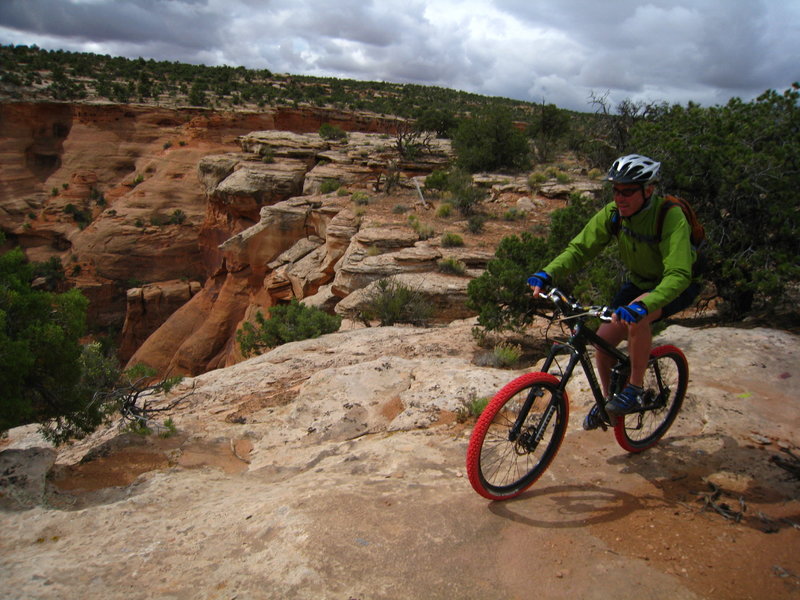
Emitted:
<point x="522" y="427"/>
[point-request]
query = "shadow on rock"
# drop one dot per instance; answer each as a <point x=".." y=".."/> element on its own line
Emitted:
<point x="568" y="506"/>
<point x="718" y="474"/>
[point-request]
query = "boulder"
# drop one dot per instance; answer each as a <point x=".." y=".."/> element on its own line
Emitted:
<point x="304" y="146"/>
<point x="344" y="174"/>
<point x="253" y="185"/>
<point x="375" y="253"/>
<point x="446" y="293"/>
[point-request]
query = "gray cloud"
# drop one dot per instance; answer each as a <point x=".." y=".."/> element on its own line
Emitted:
<point x="553" y="50"/>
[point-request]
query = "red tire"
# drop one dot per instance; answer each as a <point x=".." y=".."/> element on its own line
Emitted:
<point x="665" y="383"/>
<point x="504" y="461"/>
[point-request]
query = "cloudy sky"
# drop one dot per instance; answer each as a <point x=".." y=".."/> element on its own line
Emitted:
<point x="557" y="51"/>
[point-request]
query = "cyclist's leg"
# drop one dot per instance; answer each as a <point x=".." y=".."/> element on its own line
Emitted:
<point x="640" y="339"/>
<point x="640" y="335"/>
<point x="614" y="333"/>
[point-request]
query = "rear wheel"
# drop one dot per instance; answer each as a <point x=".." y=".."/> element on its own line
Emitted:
<point x="665" y="383"/>
<point x="517" y="436"/>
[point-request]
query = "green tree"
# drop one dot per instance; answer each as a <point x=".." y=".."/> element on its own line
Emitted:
<point x="550" y="126"/>
<point x="491" y="142"/>
<point x="438" y="120"/>
<point x="465" y="195"/>
<point x="332" y="132"/>
<point x="738" y="165"/>
<point x="40" y="353"/>
<point x="197" y="95"/>
<point x="286" y="323"/>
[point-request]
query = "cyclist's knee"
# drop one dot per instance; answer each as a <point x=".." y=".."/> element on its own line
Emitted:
<point x="613" y="333"/>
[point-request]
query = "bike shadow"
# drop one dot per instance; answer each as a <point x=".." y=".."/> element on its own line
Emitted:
<point x="716" y="473"/>
<point x="568" y="506"/>
<point x="708" y="473"/>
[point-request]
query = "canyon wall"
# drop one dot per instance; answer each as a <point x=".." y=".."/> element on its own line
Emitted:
<point x="138" y="203"/>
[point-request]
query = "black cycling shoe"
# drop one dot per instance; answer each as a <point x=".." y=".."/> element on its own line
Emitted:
<point x="629" y="400"/>
<point x="593" y="420"/>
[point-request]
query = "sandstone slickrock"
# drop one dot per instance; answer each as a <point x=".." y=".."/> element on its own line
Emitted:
<point x="350" y="458"/>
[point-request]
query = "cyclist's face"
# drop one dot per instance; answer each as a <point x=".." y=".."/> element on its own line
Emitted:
<point x="629" y="198"/>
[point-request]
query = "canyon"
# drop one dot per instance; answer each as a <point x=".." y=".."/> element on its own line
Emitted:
<point x="156" y="214"/>
<point x="334" y="467"/>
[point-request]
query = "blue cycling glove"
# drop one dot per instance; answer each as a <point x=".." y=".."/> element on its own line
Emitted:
<point x="633" y="313"/>
<point x="539" y="279"/>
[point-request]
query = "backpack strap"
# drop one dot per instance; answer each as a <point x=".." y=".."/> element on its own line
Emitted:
<point x="615" y="223"/>
<point x="662" y="215"/>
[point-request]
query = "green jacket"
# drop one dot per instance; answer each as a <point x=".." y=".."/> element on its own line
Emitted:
<point x="665" y="268"/>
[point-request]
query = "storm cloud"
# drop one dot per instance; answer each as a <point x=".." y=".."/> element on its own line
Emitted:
<point x="557" y="51"/>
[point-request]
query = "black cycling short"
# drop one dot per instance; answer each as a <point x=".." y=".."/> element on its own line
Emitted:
<point x="629" y="292"/>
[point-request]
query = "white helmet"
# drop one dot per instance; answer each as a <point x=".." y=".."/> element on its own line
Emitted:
<point x="633" y="168"/>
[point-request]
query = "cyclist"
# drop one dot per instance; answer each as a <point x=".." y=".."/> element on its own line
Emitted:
<point x="659" y="281"/>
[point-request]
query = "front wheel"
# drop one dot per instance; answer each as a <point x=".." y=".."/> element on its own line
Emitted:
<point x="517" y="436"/>
<point x="665" y="383"/>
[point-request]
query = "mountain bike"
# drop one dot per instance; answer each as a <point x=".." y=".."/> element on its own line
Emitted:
<point x="521" y="429"/>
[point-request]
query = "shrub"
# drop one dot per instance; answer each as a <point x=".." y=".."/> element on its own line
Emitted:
<point x="440" y="121"/>
<point x="329" y="185"/>
<point x="425" y="232"/>
<point x="451" y="240"/>
<point x="507" y="354"/>
<point x="51" y="270"/>
<point x="513" y="214"/>
<point x="444" y="210"/>
<point x="400" y="209"/>
<point x="735" y="165"/>
<point x="332" y="132"/>
<point x="536" y="179"/>
<point x="562" y="177"/>
<point x="360" y="198"/>
<point x="465" y="195"/>
<point x="452" y="266"/>
<point x="390" y="302"/>
<point x="177" y="217"/>
<point x="287" y="323"/>
<point x="475" y="224"/>
<point x="549" y="127"/>
<point x="437" y="180"/>
<point x="81" y="216"/>
<point x="490" y="142"/>
<point x="471" y="409"/>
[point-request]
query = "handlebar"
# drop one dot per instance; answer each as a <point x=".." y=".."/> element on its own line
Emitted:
<point x="570" y="308"/>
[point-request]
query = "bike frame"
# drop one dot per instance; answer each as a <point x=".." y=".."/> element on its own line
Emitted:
<point x="576" y="347"/>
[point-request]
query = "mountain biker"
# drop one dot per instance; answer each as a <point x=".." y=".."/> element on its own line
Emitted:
<point x="659" y="281"/>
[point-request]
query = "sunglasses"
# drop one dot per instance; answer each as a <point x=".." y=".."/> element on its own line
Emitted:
<point x="627" y="193"/>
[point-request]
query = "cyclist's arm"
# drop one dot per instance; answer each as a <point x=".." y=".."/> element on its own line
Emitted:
<point x="584" y="246"/>
<point x="677" y="258"/>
